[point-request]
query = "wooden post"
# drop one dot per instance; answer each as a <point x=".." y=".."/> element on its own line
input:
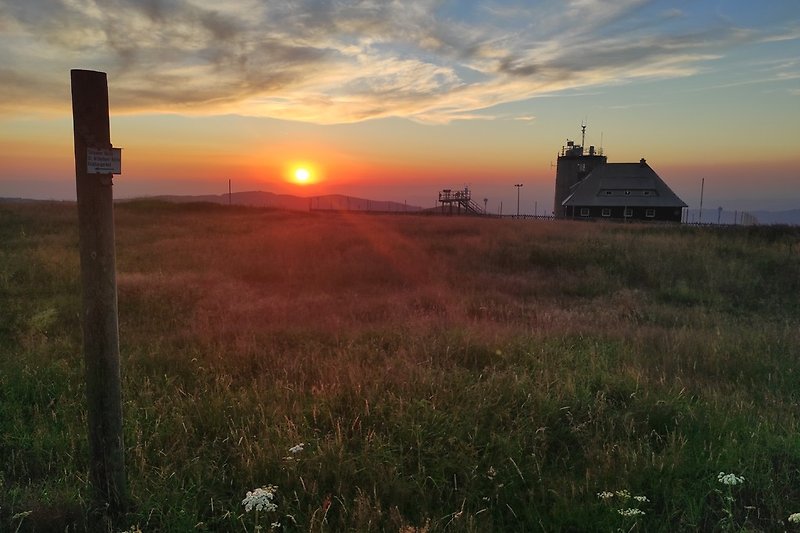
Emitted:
<point x="99" y="303"/>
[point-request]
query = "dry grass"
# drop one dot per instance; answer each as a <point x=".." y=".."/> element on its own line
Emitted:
<point x="445" y="373"/>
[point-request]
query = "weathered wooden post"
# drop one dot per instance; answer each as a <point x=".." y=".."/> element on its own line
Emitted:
<point x="95" y="162"/>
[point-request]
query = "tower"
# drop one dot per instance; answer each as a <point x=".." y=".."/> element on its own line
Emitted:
<point x="573" y="165"/>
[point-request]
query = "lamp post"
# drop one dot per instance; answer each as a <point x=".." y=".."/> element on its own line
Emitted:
<point x="700" y="214"/>
<point x="518" y="186"/>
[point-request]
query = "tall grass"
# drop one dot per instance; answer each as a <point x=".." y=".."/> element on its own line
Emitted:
<point x="444" y="374"/>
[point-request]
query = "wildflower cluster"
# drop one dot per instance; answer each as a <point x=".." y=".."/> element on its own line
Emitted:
<point x="730" y="479"/>
<point x="261" y="499"/>
<point x="625" y="501"/>
<point x="728" y="501"/>
<point x="294" y="451"/>
<point x="794" y="518"/>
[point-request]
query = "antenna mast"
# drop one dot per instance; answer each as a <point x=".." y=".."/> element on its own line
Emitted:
<point x="583" y="134"/>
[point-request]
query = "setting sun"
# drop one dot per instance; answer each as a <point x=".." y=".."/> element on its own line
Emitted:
<point x="302" y="175"/>
<point x="300" y="172"/>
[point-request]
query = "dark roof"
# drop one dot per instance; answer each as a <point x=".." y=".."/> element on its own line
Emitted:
<point x="623" y="184"/>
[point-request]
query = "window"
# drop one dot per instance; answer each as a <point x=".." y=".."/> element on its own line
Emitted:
<point x="650" y="213"/>
<point x="608" y="193"/>
<point x="606" y="212"/>
<point x="627" y="193"/>
<point x="628" y="212"/>
<point x="647" y="193"/>
<point x="584" y="211"/>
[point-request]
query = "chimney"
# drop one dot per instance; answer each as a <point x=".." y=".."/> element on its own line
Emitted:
<point x="643" y="162"/>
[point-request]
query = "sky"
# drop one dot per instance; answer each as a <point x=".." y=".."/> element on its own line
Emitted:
<point x="396" y="100"/>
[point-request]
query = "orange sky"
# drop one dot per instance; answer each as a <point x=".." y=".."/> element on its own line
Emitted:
<point x="400" y="103"/>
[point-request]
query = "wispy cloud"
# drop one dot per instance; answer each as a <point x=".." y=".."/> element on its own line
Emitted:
<point x="792" y="34"/>
<point x="345" y="61"/>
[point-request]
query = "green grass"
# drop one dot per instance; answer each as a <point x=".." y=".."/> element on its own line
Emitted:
<point x="446" y="374"/>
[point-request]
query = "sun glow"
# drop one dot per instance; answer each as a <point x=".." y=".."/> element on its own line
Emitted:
<point x="302" y="175"/>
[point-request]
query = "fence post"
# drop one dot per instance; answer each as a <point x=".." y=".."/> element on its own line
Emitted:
<point x="99" y="301"/>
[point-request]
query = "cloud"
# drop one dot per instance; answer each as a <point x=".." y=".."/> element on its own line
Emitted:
<point x="345" y="61"/>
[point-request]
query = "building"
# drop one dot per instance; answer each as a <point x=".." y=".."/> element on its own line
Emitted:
<point x="589" y="187"/>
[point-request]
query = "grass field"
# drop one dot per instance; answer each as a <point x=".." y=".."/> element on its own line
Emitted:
<point x="442" y="374"/>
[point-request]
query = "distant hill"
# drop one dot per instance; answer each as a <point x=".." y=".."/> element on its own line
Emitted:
<point x="338" y="202"/>
<point x="335" y="202"/>
<point x="713" y="216"/>
<point x="790" y="217"/>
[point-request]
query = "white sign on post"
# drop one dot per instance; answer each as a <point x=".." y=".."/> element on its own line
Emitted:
<point x="104" y="161"/>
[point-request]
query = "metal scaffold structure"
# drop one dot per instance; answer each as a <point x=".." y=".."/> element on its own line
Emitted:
<point x="456" y="202"/>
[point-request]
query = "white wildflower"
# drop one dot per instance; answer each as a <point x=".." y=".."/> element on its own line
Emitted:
<point x="794" y="518"/>
<point x="630" y="512"/>
<point x="260" y="499"/>
<point x="275" y="525"/>
<point x="729" y="479"/>
<point x="622" y="494"/>
<point x="605" y="495"/>
<point x="297" y="448"/>
<point x="641" y="499"/>
<point x="491" y="472"/>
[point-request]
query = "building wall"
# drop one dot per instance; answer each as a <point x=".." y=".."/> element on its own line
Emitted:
<point x="664" y="214"/>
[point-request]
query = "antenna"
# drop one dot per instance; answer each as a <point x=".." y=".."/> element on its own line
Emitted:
<point x="583" y="134"/>
<point x="601" y="143"/>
